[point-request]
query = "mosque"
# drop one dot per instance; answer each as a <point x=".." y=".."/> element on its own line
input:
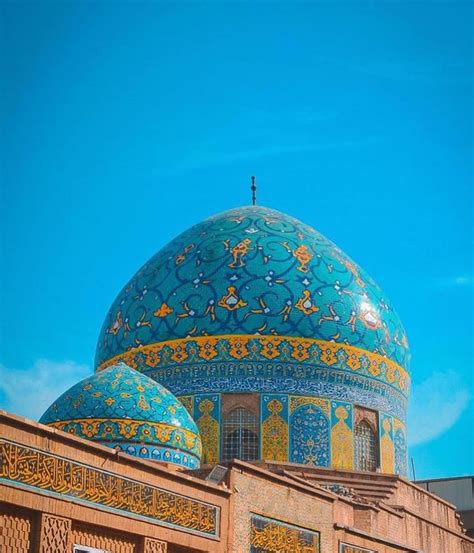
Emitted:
<point x="250" y="394"/>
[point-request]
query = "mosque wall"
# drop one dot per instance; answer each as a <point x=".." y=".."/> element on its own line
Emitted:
<point x="269" y="515"/>
<point x="57" y="490"/>
<point x="301" y="429"/>
<point x="100" y="497"/>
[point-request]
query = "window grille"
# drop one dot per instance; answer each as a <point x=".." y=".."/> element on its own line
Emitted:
<point x="240" y="435"/>
<point x="365" y="447"/>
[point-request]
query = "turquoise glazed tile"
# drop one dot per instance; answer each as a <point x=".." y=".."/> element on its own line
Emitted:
<point x="129" y="411"/>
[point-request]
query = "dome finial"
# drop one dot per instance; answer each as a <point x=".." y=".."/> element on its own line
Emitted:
<point x="254" y="191"/>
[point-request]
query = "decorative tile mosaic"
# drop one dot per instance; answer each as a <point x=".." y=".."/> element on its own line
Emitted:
<point x="274" y="427"/>
<point x="252" y="300"/>
<point x="252" y="271"/>
<point x="207" y="409"/>
<point x="273" y="536"/>
<point x="34" y="469"/>
<point x="314" y="356"/>
<point x="342" y="441"/>
<point x="387" y="453"/>
<point x="330" y="438"/>
<point x="309" y="431"/>
<point x="400" y="443"/>
<point x="120" y="405"/>
<point x="332" y="384"/>
<point x="155" y="453"/>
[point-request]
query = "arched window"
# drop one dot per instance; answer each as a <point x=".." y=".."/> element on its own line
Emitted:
<point x="365" y="447"/>
<point x="240" y="435"/>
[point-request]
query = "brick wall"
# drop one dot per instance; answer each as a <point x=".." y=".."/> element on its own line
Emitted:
<point x="276" y="500"/>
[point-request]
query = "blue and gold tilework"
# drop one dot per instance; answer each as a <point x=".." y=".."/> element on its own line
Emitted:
<point x="207" y="408"/>
<point x="124" y="409"/>
<point x="274" y="427"/>
<point x="256" y="288"/>
<point x="309" y="430"/>
<point x="254" y="301"/>
<point x="400" y="445"/>
<point x="252" y="271"/>
<point x="206" y="411"/>
<point x="387" y="452"/>
<point x="342" y="446"/>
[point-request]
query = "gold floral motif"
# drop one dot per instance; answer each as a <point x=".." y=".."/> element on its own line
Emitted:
<point x="301" y="254"/>
<point x="328" y="354"/>
<point x="353" y="362"/>
<point x="387" y="457"/>
<point x="238" y="348"/>
<point x="238" y="252"/>
<point x="305" y="303"/>
<point x="181" y="257"/>
<point x="342" y="453"/>
<point x="143" y="403"/>
<point x="298" y="401"/>
<point x="231" y="301"/>
<point x="275" y="434"/>
<point x="300" y="351"/>
<point x="163" y="311"/>
<point x="207" y="349"/>
<point x="209" y="430"/>
<point x="179" y="353"/>
<point x="270" y="347"/>
<point x="89" y="428"/>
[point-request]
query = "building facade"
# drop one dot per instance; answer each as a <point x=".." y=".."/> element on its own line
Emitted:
<point x="64" y="494"/>
<point x="250" y="395"/>
<point x="278" y="344"/>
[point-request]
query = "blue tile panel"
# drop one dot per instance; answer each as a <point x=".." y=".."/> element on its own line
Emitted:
<point x="156" y="453"/>
<point x="310" y="434"/>
<point x="304" y="429"/>
<point x="122" y="406"/>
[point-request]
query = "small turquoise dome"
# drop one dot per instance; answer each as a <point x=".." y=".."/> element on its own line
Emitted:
<point x="126" y="410"/>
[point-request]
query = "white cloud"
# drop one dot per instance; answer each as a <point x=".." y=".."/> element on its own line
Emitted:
<point x="463" y="281"/>
<point x="436" y="405"/>
<point x="454" y="281"/>
<point x="29" y="392"/>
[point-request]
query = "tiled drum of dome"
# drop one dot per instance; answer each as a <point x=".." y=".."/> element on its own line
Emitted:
<point x="254" y="300"/>
<point x="124" y="409"/>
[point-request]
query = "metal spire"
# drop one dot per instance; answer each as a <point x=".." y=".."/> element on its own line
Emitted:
<point x="253" y="188"/>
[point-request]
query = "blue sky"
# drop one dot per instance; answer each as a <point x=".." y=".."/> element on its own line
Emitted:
<point x="125" y="123"/>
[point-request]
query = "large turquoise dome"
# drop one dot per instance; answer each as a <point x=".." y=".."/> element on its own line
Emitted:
<point x="252" y="271"/>
<point x="254" y="303"/>
<point x="126" y="410"/>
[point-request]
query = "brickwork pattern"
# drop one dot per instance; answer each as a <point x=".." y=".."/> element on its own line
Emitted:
<point x="154" y="546"/>
<point x="54" y="534"/>
<point x="15" y="532"/>
<point x="277" y="501"/>
<point x="103" y="539"/>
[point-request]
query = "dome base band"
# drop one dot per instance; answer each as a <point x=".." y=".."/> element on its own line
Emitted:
<point x="175" y="355"/>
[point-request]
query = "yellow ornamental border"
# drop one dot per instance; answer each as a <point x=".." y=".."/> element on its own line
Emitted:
<point x="128" y="429"/>
<point x="241" y="347"/>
